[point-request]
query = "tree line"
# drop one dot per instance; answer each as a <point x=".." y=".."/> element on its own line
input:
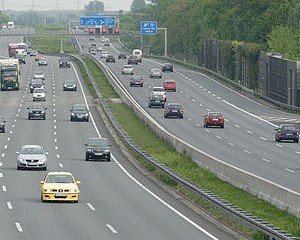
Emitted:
<point x="272" y="24"/>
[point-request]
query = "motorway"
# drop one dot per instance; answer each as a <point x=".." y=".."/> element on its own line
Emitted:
<point x="116" y="201"/>
<point x="247" y="141"/>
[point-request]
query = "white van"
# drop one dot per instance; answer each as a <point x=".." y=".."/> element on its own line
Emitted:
<point x="138" y="53"/>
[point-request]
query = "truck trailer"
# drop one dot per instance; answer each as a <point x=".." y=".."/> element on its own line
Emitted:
<point x="10" y="74"/>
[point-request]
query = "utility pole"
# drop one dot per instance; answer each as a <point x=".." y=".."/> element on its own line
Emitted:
<point x="2" y="6"/>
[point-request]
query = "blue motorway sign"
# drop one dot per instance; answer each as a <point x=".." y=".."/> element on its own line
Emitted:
<point x="149" y="27"/>
<point x="97" y="21"/>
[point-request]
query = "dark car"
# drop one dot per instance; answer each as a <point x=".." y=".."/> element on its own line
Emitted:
<point x="36" y="83"/>
<point x="213" y="119"/>
<point x="64" y="62"/>
<point x="111" y="58"/>
<point x="2" y="124"/>
<point x="132" y="60"/>
<point x="69" y="85"/>
<point x="37" y="111"/>
<point x="173" y="110"/>
<point x="287" y="132"/>
<point x="136" y="81"/>
<point x="97" y="148"/>
<point x="121" y="56"/>
<point x="156" y="100"/>
<point x="167" y="67"/>
<point x="79" y="112"/>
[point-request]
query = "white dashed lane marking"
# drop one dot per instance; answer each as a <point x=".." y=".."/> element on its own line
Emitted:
<point x="111" y="228"/>
<point x="91" y="206"/>
<point x="266" y="160"/>
<point x="4" y="188"/>
<point x="9" y="205"/>
<point x="18" y="225"/>
<point x="289" y="170"/>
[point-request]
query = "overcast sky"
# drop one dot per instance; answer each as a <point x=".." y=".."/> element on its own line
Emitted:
<point x="109" y="5"/>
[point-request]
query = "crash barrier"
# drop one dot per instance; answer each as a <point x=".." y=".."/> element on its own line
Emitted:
<point x="261" y="187"/>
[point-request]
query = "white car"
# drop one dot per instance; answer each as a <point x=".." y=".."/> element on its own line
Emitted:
<point x="32" y="156"/>
<point x="127" y="69"/>
<point x="39" y="75"/>
<point x="104" y="54"/>
<point x="39" y="94"/>
<point x="160" y="90"/>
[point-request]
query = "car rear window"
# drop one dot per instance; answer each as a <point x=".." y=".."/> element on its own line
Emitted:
<point x="215" y="114"/>
<point x="60" y="179"/>
<point x="289" y="128"/>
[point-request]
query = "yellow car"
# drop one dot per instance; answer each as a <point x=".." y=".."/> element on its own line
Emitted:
<point x="60" y="186"/>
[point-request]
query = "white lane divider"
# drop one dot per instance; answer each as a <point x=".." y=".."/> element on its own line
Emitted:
<point x="91" y="206"/>
<point x="18" y="225"/>
<point x="57" y="155"/>
<point x="111" y="228"/>
<point x="231" y="144"/>
<point x="61" y="165"/>
<point x="278" y="145"/>
<point x="5" y="147"/>
<point x="246" y="151"/>
<point x="56" y="147"/>
<point x="3" y="154"/>
<point x="4" y="188"/>
<point x="9" y="205"/>
<point x="297" y="152"/>
<point x="266" y="160"/>
<point x="1" y="175"/>
<point x="237" y="126"/>
<point x="1" y="164"/>
<point x="289" y="170"/>
<point x="249" y="132"/>
<point x="263" y="138"/>
<point x="218" y="137"/>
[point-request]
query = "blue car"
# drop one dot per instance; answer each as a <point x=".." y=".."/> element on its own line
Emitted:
<point x="287" y="132"/>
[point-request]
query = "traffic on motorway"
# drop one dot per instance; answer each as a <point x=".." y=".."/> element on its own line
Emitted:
<point x="250" y="128"/>
<point x="56" y="150"/>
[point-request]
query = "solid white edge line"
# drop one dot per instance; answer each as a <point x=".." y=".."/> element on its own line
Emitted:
<point x="137" y="182"/>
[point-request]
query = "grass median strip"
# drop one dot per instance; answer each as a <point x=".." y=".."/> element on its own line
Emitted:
<point x="184" y="165"/>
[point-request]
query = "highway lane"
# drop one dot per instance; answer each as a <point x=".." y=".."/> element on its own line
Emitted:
<point x="112" y="205"/>
<point x="247" y="140"/>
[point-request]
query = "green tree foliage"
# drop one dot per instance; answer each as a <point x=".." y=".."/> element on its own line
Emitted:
<point x="29" y="18"/>
<point x="4" y="18"/>
<point x="283" y="40"/>
<point x="138" y="6"/>
<point x="94" y="7"/>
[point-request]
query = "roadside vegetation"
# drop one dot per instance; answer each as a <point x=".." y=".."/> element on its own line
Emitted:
<point x="183" y="164"/>
<point x="52" y="44"/>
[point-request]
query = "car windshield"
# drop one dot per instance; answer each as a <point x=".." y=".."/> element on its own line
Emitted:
<point x="215" y="115"/>
<point x="39" y="90"/>
<point x="43" y="59"/>
<point x="158" y="89"/>
<point x="32" y="150"/>
<point x="38" y="73"/>
<point x="156" y="97"/>
<point x="36" y="82"/>
<point x="175" y="106"/>
<point x="79" y="108"/>
<point x="37" y="106"/>
<point x="169" y="81"/>
<point x="59" y="179"/>
<point x="288" y="128"/>
<point x="136" y="78"/>
<point x="98" y="142"/>
<point x="127" y="67"/>
<point x="64" y="59"/>
<point x="155" y="70"/>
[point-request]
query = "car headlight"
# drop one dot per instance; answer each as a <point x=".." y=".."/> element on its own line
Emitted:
<point x="21" y="160"/>
<point x="89" y="150"/>
<point x="43" y="112"/>
<point x="47" y="190"/>
<point x="73" y="114"/>
<point x="30" y="111"/>
<point x="106" y="151"/>
<point x="73" y="191"/>
<point x="86" y="115"/>
<point x="42" y="160"/>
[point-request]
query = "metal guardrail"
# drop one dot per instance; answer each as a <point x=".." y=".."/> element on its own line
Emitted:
<point x="234" y="213"/>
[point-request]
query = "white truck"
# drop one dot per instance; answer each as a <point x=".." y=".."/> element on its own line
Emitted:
<point x="138" y="53"/>
<point x="10" y="25"/>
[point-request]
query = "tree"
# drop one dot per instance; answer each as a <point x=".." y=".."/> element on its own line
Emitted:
<point x="138" y="6"/>
<point x="94" y="7"/>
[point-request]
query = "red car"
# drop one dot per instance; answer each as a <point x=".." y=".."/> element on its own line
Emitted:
<point x="170" y="85"/>
<point x="38" y="57"/>
<point x="214" y="119"/>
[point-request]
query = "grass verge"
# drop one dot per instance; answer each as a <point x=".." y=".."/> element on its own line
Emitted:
<point x="183" y="164"/>
<point x="52" y="44"/>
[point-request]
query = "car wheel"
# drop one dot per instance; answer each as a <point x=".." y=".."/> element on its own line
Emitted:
<point x="174" y="90"/>
<point x="44" y="168"/>
<point x="64" y="89"/>
<point x="222" y="126"/>
<point x="297" y="140"/>
<point x="181" y="116"/>
<point x="76" y="201"/>
<point x="75" y="89"/>
<point x="19" y="168"/>
<point x="71" y="119"/>
<point x="278" y="140"/>
<point x="163" y="106"/>
<point x="87" y="119"/>
<point x="165" y="116"/>
<point x="141" y="85"/>
<point x="122" y="73"/>
<point x="149" y="105"/>
<point x="29" y="117"/>
<point x="108" y="159"/>
<point x="44" y="118"/>
<point x="3" y="130"/>
<point x="87" y="157"/>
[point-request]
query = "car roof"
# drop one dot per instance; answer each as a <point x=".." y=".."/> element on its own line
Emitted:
<point x="59" y="173"/>
<point x="169" y="81"/>
<point x="32" y="146"/>
<point x="156" y="69"/>
<point x="78" y="104"/>
<point x="173" y="104"/>
<point x="287" y="125"/>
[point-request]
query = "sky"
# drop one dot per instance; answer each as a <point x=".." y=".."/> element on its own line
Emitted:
<point x="39" y="5"/>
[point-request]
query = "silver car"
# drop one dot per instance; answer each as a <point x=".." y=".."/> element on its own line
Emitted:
<point x="127" y="69"/>
<point x="156" y="73"/>
<point x="39" y="75"/>
<point x="32" y="157"/>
